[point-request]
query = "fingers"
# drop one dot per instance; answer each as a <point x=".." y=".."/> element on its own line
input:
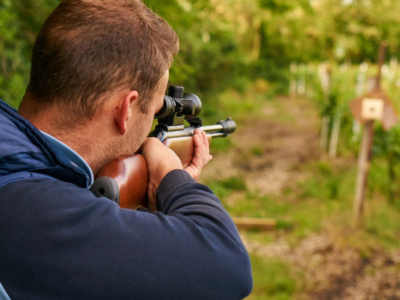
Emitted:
<point x="202" y="139"/>
<point x="205" y="144"/>
<point x="205" y="139"/>
<point x="198" y="139"/>
<point x="160" y="161"/>
<point x="202" y="148"/>
<point x="201" y="155"/>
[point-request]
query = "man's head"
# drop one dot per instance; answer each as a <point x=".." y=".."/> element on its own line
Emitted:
<point x="88" y="50"/>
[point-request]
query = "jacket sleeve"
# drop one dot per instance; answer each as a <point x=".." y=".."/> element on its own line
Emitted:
<point x="76" y="246"/>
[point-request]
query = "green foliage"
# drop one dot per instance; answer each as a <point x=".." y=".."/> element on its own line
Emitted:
<point x="20" y="22"/>
<point x="387" y="147"/>
<point x="209" y="60"/>
<point x="225" y="44"/>
<point x="386" y="173"/>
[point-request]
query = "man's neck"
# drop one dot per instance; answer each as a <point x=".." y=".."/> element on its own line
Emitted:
<point x="88" y="140"/>
<point x="87" y="146"/>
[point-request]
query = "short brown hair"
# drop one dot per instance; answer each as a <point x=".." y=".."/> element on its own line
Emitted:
<point x="87" y="49"/>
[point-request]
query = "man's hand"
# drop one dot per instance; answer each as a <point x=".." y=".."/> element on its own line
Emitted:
<point x="160" y="161"/>
<point x="201" y="155"/>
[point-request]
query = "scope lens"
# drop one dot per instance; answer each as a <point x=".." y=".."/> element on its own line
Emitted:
<point x="195" y="106"/>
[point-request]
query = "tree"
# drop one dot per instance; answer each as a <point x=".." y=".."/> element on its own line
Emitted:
<point x="20" y="22"/>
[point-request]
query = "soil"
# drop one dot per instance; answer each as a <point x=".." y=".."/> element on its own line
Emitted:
<point x="268" y="155"/>
<point x="333" y="273"/>
<point x="268" y="150"/>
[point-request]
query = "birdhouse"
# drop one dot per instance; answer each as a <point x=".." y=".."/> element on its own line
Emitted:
<point x="375" y="106"/>
<point x="372" y="109"/>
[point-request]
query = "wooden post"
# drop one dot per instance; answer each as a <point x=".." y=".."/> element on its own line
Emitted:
<point x="326" y="80"/>
<point x="293" y="80"/>
<point x="364" y="160"/>
<point x="335" y="137"/>
<point x="324" y="133"/>
<point x="310" y="70"/>
<point x="301" y="81"/>
<point x="326" y="76"/>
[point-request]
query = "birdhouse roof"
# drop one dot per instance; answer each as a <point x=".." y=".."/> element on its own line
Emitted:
<point x="389" y="118"/>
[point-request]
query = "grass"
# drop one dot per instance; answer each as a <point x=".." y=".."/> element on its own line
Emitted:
<point x="224" y="188"/>
<point x="273" y="279"/>
<point x="301" y="209"/>
<point x="382" y="222"/>
<point x="327" y="183"/>
<point x="319" y="202"/>
<point x="220" y="145"/>
<point x="257" y="150"/>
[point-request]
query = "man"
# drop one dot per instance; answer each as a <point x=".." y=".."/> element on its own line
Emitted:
<point x="99" y="72"/>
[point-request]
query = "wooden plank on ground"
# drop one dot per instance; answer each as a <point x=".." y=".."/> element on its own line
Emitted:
<point x="255" y="223"/>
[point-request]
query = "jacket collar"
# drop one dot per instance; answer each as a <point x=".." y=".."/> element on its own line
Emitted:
<point x="69" y="153"/>
<point x="24" y="148"/>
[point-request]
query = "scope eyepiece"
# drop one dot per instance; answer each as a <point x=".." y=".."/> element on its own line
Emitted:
<point x="183" y="104"/>
<point x="168" y="108"/>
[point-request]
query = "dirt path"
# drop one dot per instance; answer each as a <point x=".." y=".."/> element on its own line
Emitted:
<point x="268" y="150"/>
<point x="333" y="273"/>
<point x="268" y="155"/>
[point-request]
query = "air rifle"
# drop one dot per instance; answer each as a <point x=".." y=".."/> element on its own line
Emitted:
<point x="125" y="179"/>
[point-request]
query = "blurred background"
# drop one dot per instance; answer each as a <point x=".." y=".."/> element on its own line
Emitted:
<point x="286" y="71"/>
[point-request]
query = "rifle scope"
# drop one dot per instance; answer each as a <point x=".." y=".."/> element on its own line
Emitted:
<point x="180" y="103"/>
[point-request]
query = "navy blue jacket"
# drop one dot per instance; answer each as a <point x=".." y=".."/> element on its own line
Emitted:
<point x="57" y="241"/>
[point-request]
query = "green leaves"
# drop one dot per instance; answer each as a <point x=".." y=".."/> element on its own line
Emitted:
<point x="278" y="6"/>
<point x="226" y="43"/>
<point x="20" y="22"/>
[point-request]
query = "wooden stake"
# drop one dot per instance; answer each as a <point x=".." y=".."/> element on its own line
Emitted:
<point x="326" y="76"/>
<point x="293" y="81"/>
<point x="334" y="137"/>
<point x="363" y="166"/>
<point x="324" y="133"/>
<point x="369" y="118"/>
<point x="364" y="160"/>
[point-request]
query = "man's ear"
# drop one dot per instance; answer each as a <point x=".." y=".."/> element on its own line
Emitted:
<point x="122" y="112"/>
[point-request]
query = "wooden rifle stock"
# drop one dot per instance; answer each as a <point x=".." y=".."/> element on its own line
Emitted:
<point x="132" y="177"/>
<point x="125" y="179"/>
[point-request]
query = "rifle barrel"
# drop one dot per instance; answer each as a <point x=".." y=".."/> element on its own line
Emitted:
<point x="221" y="129"/>
<point x="216" y="134"/>
<point x="188" y="131"/>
